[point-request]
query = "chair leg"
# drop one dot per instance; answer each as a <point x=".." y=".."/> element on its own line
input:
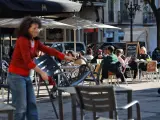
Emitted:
<point x="2" y="93"/>
<point x="39" y="83"/>
<point x="116" y="115"/>
<point x="94" y="115"/>
<point x="82" y="115"/>
<point x="36" y="79"/>
<point x="8" y="96"/>
<point x="54" y="108"/>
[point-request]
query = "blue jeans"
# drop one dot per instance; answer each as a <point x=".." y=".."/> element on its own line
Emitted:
<point x="23" y="97"/>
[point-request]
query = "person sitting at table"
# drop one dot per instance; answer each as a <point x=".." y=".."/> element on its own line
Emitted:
<point x="80" y="59"/>
<point x="89" y="54"/>
<point x="156" y="56"/>
<point x="111" y="64"/>
<point x="145" y="57"/>
<point x="119" y="53"/>
<point x="81" y="55"/>
<point x="98" y="56"/>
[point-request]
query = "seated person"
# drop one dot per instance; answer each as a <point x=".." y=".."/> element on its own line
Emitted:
<point x="89" y="54"/>
<point x="69" y="53"/>
<point x="111" y="64"/>
<point x="143" y="56"/>
<point x="80" y="59"/>
<point x="81" y="55"/>
<point x="98" y="56"/>
<point x="119" y="53"/>
<point x="156" y="56"/>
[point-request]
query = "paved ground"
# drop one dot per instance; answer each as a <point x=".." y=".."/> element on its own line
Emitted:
<point x="145" y="92"/>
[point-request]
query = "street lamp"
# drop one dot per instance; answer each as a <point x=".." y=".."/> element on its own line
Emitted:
<point x="132" y="8"/>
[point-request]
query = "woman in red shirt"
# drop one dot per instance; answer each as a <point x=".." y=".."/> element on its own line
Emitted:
<point x="25" y="50"/>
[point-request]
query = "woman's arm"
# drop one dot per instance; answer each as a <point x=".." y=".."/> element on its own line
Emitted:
<point x="121" y="61"/>
<point x="50" y="51"/>
<point x="53" y="52"/>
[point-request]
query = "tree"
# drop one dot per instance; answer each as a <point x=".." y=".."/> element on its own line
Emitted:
<point x="156" y="12"/>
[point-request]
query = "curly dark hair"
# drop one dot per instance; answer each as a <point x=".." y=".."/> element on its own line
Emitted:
<point x="25" y="25"/>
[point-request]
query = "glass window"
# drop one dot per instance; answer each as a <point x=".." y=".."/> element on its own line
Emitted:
<point x="58" y="46"/>
<point x="70" y="46"/>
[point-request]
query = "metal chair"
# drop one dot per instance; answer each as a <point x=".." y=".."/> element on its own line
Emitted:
<point x="47" y="64"/>
<point x="84" y="70"/>
<point x="101" y="99"/>
<point x="3" y="83"/>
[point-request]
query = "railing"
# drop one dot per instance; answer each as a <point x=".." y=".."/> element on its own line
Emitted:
<point x="122" y="17"/>
<point x="148" y="17"/>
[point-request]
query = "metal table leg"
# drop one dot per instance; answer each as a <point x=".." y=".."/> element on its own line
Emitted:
<point x="61" y="117"/>
<point x="73" y="105"/>
<point x="129" y="98"/>
<point x="10" y="115"/>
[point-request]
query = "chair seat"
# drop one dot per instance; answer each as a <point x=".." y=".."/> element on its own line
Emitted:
<point x="110" y="73"/>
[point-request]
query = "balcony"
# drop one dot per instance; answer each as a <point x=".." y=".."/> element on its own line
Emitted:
<point x="148" y="18"/>
<point x="122" y="17"/>
<point x="99" y="3"/>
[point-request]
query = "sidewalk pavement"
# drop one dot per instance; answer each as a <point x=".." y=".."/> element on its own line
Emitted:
<point x="145" y="93"/>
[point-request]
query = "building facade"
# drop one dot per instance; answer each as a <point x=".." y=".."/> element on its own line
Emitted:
<point x="114" y="12"/>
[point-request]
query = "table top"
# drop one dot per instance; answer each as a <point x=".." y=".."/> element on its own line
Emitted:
<point x="5" y="107"/>
<point x="72" y="90"/>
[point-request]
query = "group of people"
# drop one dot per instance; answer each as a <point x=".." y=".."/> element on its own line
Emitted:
<point x="116" y="62"/>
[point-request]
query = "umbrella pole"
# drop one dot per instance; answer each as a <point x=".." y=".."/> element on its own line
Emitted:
<point x="86" y="39"/>
<point x="64" y="35"/>
<point x="10" y="40"/>
<point x="45" y="35"/>
<point x="74" y="40"/>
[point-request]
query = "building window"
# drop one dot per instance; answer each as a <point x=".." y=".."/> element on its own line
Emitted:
<point x="111" y="10"/>
<point x="124" y="12"/>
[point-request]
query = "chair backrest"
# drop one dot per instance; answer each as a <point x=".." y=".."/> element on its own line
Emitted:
<point x="47" y="64"/>
<point x="96" y="98"/>
<point x="152" y="66"/>
<point x="84" y="72"/>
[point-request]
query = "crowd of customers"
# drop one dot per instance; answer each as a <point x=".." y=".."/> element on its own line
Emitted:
<point x="115" y="61"/>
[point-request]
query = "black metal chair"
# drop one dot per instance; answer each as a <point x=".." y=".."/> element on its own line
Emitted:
<point x="84" y="72"/>
<point x="49" y="65"/>
<point x="101" y="99"/>
<point x="3" y="81"/>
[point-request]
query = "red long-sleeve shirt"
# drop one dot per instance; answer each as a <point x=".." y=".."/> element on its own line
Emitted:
<point x="22" y="58"/>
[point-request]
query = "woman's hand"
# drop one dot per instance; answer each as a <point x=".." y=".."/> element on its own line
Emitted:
<point x="69" y="58"/>
<point x="44" y="76"/>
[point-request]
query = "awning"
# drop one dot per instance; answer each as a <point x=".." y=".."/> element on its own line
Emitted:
<point x="80" y="23"/>
<point x="21" y="8"/>
<point x="46" y="23"/>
